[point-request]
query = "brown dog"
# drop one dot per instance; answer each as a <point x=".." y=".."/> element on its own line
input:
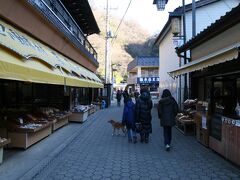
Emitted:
<point x="117" y="126"/>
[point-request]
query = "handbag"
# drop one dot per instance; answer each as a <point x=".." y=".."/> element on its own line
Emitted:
<point x="138" y="126"/>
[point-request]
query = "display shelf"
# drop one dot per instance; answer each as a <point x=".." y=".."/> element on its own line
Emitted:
<point x="20" y="129"/>
<point x="24" y="139"/>
<point x="3" y="142"/>
<point x="78" y="116"/>
<point x="91" y="110"/>
<point x="98" y="105"/>
<point x="187" y="127"/>
<point x="60" y="122"/>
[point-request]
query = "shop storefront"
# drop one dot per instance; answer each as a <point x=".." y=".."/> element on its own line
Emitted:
<point x="215" y="81"/>
<point x="40" y="89"/>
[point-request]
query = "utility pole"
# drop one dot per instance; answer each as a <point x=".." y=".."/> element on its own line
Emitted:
<point x="107" y="48"/>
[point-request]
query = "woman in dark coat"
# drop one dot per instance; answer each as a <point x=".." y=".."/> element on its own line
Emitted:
<point x="143" y="114"/>
<point x="167" y="111"/>
<point x="129" y="119"/>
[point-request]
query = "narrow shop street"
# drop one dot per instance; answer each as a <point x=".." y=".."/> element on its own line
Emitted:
<point x="93" y="153"/>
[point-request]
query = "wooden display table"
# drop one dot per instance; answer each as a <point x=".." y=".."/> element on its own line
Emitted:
<point x="91" y="110"/>
<point x="187" y="127"/>
<point x="98" y="104"/>
<point x="23" y="138"/>
<point x="60" y="122"/>
<point x="3" y="142"/>
<point x="78" y="116"/>
<point x="97" y="108"/>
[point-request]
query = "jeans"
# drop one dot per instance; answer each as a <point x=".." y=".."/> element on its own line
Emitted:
<point x="167" y="133"/>
<point x="131" y="134"/>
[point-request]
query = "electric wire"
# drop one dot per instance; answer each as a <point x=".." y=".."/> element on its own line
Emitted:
<point x="115" y="34"/>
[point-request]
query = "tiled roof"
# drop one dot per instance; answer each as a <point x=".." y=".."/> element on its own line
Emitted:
<point x="225" y="22"/>
<point x="144" y="61"/>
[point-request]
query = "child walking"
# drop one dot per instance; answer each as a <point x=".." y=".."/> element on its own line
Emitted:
<point x="128" y="119"/>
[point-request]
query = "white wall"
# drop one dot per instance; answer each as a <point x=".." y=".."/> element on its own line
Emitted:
<point x="167" y="56"/>
<point x="207" y="15"/>
<point x="168" y="61"/>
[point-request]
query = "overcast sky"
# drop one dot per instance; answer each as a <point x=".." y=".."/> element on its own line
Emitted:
<point x="141" y="11"/>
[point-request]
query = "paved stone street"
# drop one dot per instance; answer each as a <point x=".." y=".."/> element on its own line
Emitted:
<point x="95" y="154"/>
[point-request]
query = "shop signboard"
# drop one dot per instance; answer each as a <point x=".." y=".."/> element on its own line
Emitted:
<point x="148" y="80"/>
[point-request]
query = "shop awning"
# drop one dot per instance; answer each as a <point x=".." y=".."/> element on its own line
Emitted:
<point x="220" y="56"/>
<point x="23" y="58"/>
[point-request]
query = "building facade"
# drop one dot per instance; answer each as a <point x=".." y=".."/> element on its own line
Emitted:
<point x="215" y="81"/>
<point x="207" y="11"/>
<point x="143" y="72"/>
<point x="47" y="67"/>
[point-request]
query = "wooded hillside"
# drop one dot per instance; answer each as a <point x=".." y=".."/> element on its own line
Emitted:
<point x="131" y="41"/>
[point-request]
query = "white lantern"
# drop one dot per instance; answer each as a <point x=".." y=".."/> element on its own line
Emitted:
<point x="176" y="26"/>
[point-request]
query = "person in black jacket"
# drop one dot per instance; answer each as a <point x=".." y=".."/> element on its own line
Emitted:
<point x="167" y="111"/>
<point x="143" y="114"/>
<point x="125" y="96"/>
<point x="119" y="97"/>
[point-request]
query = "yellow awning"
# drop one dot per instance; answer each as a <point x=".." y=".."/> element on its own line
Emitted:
<point x="35" y="62"/>
<point x="15" y="68"/>
<point x="217" y="57"/>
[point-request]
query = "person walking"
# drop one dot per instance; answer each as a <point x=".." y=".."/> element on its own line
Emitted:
<point x="143" y="114"/>
<point x="119" y="97"/>
<point x="136" y="95"/>
<point x="167" y="111"/>
<point x="125" y="96"/>
<point x="128" y="119"/>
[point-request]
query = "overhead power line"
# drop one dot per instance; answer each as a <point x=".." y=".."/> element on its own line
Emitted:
<point x="115" y="34"/>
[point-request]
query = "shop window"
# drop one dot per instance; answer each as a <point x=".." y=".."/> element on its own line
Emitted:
<point x="9" y="91"/>
<point x="25" y="93"/>
<point x="224" y="96"/>
<point x="207" y="93"/>
<point x="40" y="92"/>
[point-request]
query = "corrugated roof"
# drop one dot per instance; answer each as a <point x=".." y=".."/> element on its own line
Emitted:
<point x="225" y="22"/>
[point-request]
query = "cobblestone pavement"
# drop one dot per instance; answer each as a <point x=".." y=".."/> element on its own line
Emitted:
<point x="96" y="154"/>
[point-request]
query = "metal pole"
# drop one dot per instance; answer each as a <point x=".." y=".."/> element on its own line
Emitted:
<point x="193" y="18"/>
<point x="185" y="91"/>
<point x="107" y="62"/>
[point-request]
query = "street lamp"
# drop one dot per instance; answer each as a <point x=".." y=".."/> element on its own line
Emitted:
<point x="114" y="69"/>
<point x="160" y="4"/>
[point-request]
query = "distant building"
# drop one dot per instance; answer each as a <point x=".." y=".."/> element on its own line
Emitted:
<point x="143" y="72"/>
